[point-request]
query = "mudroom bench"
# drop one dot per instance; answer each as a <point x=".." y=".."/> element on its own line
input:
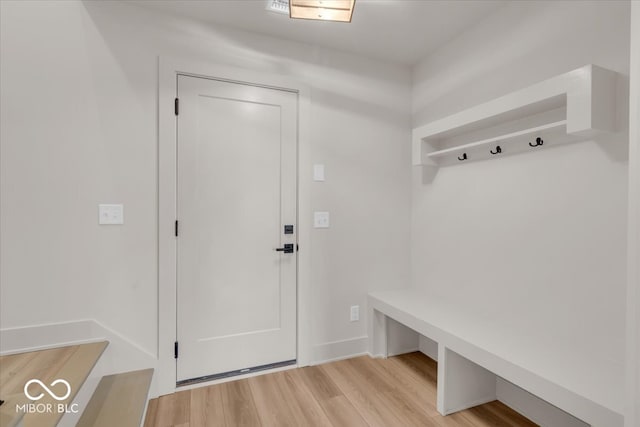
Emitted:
<point x="474" y="351"/>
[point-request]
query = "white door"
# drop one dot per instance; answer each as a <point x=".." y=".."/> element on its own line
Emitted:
<point x="237" y="177"/>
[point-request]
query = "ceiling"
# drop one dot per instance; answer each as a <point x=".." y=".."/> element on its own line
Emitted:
<point x="400" y="31"/>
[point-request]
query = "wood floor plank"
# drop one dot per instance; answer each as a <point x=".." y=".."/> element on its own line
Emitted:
<point x="458" y="420"/>
<point x="305" y="407"/>
<point x="341" y="412"/>
<point x="152" y="411"/>
<point x="420" y="364"/>
<point x="366" y="370"/>
<point x="173" y="409"/>
<point x="372" y="407"/>
<point x="408" y="413"/>
<point x="498" y="414"/>
<point x="394" y="402"/>
<point x="283" y="399"/>
<point x="207" y="409"/>
<point x="272" y="409"/>
<point x="320" y="384"/>
<point x="239" y="407"/>
<point x="399" y="391"/>
<point x="368" y="402"/>
<point x="480" y="418"/>
<point x="416" y="391"/>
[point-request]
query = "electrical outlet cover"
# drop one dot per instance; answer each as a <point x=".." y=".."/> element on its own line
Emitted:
<point x="321" y="219"/>
<point x="110" y="214"/>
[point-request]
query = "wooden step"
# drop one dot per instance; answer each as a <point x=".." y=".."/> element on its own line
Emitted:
<point x="71" y="363"/>
<point x="119" y="400"/>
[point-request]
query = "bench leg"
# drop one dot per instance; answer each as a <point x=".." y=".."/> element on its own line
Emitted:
<point x="377" y="334"/>
<point x="461" y="383"/>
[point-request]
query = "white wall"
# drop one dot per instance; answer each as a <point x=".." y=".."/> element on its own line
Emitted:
<point x="79" y="127"/>
<point x="536" y="240"/>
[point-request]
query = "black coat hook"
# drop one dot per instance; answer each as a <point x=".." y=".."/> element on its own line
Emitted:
<point x="498" y="150"/>
<point x="539" y="141"/>
<point x="464" y="157"/>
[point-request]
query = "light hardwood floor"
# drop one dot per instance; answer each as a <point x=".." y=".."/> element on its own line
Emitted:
<point x="399" y="391"/>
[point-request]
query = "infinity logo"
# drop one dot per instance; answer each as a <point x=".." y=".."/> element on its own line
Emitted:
<point x="52" y="394"/>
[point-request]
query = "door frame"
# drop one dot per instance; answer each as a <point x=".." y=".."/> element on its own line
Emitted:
<point x="632" y="414"/>
<point x="168" y="70"/>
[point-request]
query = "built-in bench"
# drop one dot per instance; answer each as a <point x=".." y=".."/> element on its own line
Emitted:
<point x="474" y="350"/>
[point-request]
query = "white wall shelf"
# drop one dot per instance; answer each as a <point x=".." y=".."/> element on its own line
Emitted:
<point x="567" y="108"/>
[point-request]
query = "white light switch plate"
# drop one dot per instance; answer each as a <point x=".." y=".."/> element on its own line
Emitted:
<point x="354" y="313"/>
<point x="321" y="220"/>
<point x="110" y="214"/>
<point x="318" y="173"/>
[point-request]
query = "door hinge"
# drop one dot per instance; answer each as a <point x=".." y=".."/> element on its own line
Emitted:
<point x="175" y="350"/>
<point x="177" y="106"/>
<point x="176" y="228"/>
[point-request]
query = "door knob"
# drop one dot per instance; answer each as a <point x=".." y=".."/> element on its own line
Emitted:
<point x="287" y="248"/>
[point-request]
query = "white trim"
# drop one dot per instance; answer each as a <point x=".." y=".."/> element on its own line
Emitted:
<point x="52" y="335"/>
<point x="339" y="350"/>
<point x="44" y="336"/>
<point x="632" y="407"/>
<point x="168" y="70"/>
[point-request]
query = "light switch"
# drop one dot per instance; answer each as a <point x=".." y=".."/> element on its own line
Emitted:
<point x="321" y="219"/>
<point x="354" y="313"/>
<point x="110" y="214"/>
<point x="318" y="172"/>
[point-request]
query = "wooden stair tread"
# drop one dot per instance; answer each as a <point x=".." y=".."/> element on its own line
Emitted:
<point x="71" y="363"/>
<point x="8" y="417"/>
<point x="119" y="400"/>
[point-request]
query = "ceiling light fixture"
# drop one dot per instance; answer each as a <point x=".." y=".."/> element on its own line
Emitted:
<point x="323" y="10"/>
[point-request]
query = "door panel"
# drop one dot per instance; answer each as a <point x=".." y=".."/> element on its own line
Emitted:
<point x="236" y="191"/>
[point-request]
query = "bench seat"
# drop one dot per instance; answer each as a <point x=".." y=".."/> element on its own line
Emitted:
<point x="586" y="387"/>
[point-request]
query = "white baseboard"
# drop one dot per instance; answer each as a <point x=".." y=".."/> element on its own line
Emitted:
<point x="338" y="350"/>
<point x="534" y="408"/>
<point x="41" y="337"/>
<point x="121" y="355"/>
